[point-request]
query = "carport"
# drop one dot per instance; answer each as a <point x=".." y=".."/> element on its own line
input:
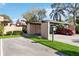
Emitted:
<point x="44" y="28"/>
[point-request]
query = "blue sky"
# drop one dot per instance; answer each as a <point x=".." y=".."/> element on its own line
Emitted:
<point x="15" y="10"/>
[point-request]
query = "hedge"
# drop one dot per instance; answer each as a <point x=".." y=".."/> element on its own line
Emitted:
<point x="14" y="33"/>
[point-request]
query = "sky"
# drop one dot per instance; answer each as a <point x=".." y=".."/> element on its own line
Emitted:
<point x="15" y="10"/>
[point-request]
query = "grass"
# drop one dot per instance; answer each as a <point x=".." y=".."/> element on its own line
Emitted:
<point x="10" y="36"/>
<point x="61" y="47"/>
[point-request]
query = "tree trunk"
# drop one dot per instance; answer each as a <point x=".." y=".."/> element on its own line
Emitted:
<point x="60" y="18"/>
<point x="74" y="23"/>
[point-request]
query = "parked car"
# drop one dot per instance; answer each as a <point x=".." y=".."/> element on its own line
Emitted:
<point x="64" y="31"/>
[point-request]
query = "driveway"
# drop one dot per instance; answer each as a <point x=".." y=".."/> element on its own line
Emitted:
<point x="0" y="47"/>
<point x="72" y="40"/>
<point x="25" y="47"/>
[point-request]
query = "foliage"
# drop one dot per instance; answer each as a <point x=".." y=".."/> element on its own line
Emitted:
<point x="1" y="29"/>
<point x="60" y="26"/>
<point x="14" y="33"/>
<point x="9" y="33"/>
<point x="34" y="15"/>
<point x="10" y="36"/>
<point x="77" y="20"/>
<point x="29" y="17"/>
<point x="77" y="28"/>
<point x="69" y="19"/>
<point x="40" y="13"/>
<point x="72" y="9"/>
<point x="17" y="32"/>
<point x="57" y="11"/>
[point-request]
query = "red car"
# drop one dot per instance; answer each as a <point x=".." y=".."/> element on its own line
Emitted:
<point x="64" y="31"/>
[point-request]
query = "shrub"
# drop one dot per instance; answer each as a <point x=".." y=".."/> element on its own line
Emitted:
<point x="1" y="29"/>
<point x="14" y="33"/>
<point x="77" y="28"/>
<point x="9" y="33"/>
<point x="17" y="32"/>
<point x="24" y="31"/>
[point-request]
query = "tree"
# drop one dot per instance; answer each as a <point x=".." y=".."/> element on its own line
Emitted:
<point x="77" y="20"/>
<point x="6" y="17"/>
<point x="72" y="9"/>
<point x="58" y="10"/>
<point x="40" y="13"/>
<point x="29" y="17"/>
<point x="35" y="15"/>
<point x="69" y="19"/>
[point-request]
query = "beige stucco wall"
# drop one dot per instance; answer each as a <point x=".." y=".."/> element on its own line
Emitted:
<point x="11" y="28"/>
<point x="28" y="28"/>
<point x="1" y="18"/>
<point x="44" y="30"/>
<point x="49" y="35"/>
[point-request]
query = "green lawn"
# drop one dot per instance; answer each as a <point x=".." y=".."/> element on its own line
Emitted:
<point x="10" y="36"/>
<point x="62" y="47"/>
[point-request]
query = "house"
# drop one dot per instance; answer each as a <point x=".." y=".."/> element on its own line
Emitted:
<point x="8" y="26"/>
<point x="43" y="28"/>
<point x="4" y="21"/>
<point x="12" y="28"/>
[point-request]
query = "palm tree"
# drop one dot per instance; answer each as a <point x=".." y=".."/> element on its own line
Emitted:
<point x="58" y="10"/>
<point x="72" y="9"/>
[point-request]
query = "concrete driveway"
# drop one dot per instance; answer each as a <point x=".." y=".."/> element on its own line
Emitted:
<point x="0" y="47"/>
<point x="72" y="40"/>
<point x="25" y="47"/>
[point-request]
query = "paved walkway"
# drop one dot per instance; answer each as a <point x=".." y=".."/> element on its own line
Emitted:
<point x="25" y="47"/>
<point x="0" y="47"/>
<point x="72" y="40"/>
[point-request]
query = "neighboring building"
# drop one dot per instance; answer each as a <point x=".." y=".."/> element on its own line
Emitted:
<point x="4" y="21"/>
<point x="12" y="28"/>
<point x="8" y="26"/>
